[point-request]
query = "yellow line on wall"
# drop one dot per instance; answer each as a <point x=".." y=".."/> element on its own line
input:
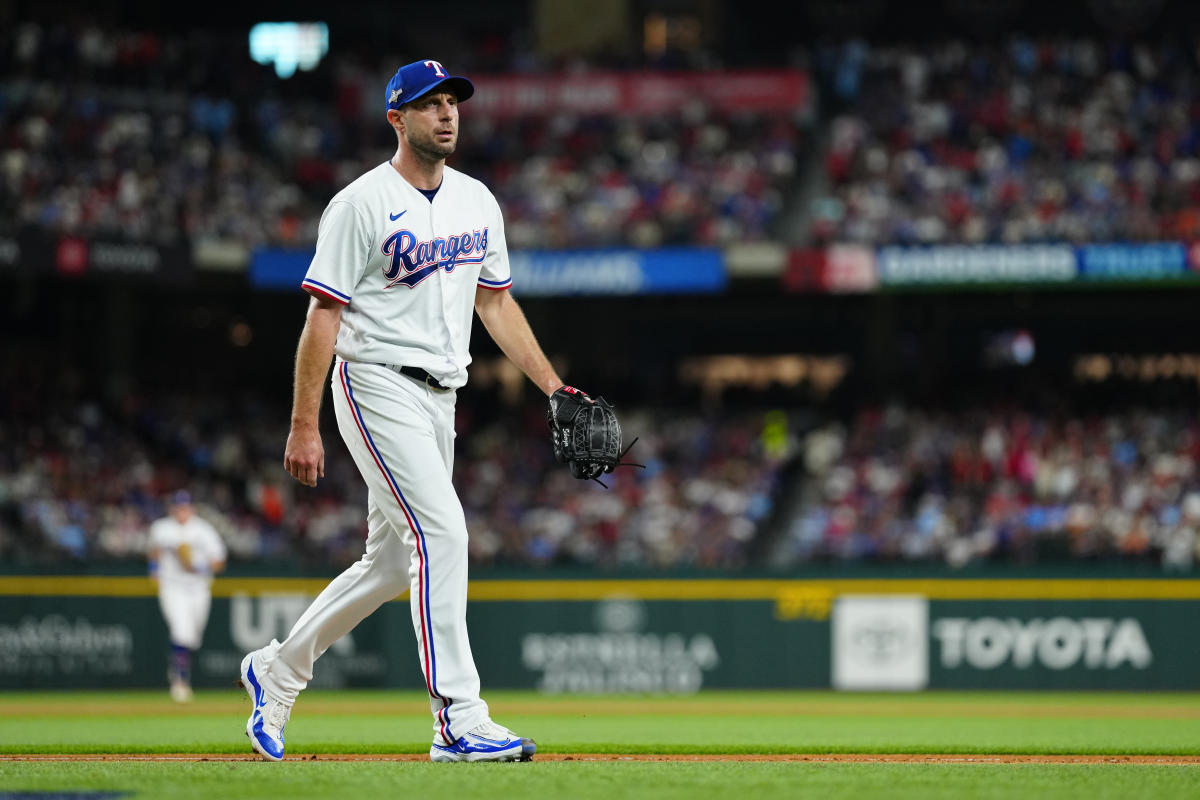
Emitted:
<point x="658" y="589"/>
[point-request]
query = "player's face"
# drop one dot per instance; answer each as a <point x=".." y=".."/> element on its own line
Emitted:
<point x="431" y="124"/>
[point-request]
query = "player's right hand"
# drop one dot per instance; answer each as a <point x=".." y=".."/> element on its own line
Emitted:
<point x="304" y="457"/>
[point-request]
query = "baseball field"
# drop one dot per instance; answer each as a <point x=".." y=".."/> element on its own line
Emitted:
<point x="770" y="744"/>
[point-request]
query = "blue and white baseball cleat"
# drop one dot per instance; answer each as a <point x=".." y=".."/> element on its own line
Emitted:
<point x="267" y="720"/>
<point x="487" y="742"/>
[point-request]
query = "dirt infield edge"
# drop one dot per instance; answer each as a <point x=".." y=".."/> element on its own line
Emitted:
<point x="815" y="758"/>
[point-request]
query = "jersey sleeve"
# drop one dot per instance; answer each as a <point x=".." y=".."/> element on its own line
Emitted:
<point x="343" y="247"/>
<point x="216" y="546"/>
<point x="160" y="535"/>
<point x="496" y="273"/>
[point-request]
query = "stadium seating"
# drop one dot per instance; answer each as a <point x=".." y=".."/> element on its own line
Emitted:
<point x="144" y="136"/>
<point x="1028" y="140"/>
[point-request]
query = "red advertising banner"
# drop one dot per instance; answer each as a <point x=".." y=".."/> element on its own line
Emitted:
<point x="640" y="93"/>
<point x="841" y="268"/>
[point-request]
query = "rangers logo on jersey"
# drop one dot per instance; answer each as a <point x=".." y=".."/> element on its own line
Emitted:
<point x="411" y="260"/>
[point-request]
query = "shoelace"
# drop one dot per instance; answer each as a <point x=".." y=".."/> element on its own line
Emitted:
<point x="491" y="730"/>
<point x="278" y="715"/>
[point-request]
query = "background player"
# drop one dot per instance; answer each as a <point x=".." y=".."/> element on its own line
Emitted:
<point x="403" y="255"/>
<point x="185" y="552"/>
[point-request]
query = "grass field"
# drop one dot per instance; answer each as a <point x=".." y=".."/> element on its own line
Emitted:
<point x="580" y="739"/>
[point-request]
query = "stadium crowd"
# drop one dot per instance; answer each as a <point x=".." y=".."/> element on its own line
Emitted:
<point x="1026" y="140"/>
<point x="161" y="137"/>
<point x="81" y="481"/>
<point x="904" y="484"/>
<point x="157" y="137"/>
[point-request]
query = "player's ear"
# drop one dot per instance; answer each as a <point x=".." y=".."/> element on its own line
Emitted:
<point x="396" y="120"/>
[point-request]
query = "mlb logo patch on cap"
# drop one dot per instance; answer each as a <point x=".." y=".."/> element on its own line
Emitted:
<point x="421" y="77"/>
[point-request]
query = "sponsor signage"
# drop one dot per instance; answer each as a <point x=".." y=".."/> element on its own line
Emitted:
<point x="641" y="93"/>
<point x="70" y="257"/>
<point x="578" y="272"/>
<point x="855" y="268"/>
<point x="842" y="268"/>
<point x="724" y="635"/>
<point x="127" y="257"/>
<point x="880" y="642"/>
<point x="618" y="272"/>
<point x="1058" y="643"/>
<point x="57" y="645"/>
<point x="77" y="256"/>
<point x="618" y="656"/>
<point x="916" y="266"/>
<point x="276" y="268"/>
<point x="1062" y="644"/>
<point x="1122" y="262"/>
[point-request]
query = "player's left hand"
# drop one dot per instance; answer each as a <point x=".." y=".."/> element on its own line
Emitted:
<point x="585" y="434"/>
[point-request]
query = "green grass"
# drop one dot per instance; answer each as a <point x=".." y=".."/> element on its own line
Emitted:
<point x="712" y="722"/>
<point x="604" y="781"/>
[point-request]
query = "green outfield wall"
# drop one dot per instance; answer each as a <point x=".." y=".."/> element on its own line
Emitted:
<point x="674" y="636"/>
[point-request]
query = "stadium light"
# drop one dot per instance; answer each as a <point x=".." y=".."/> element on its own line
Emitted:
<point x="289" y="45"/>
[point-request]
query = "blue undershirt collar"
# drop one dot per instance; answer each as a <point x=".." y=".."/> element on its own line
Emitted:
<point x="429" y="193"/>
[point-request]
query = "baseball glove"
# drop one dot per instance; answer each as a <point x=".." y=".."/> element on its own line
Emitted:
<point x="184" y="552"/>
<point x="585" y="434"/>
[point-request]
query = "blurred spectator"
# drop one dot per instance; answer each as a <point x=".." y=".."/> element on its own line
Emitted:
<point x="81" y="482"/>
<point x="899" y="484"/>
<point x="1076" y="140"/>
<point x="136" y="135"/>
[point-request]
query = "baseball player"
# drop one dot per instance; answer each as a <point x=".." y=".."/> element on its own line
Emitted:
<point x="185" y="553"/>
<point x="404" y="253"/>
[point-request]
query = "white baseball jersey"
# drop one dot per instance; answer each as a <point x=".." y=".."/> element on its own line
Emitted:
<point x="201" y="538"/>
<point x="408" y="269"/>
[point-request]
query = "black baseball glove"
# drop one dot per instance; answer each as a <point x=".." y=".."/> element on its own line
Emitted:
<point x="585" y="434"/>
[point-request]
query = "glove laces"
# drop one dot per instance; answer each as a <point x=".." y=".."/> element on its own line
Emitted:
<point x="620" y="463"/>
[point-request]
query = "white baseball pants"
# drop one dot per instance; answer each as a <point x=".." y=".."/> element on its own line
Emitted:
<point x="401" y="435"/>
<point x="185" y="609"/>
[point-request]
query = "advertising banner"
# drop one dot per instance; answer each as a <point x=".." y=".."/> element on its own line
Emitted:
<point x="94" y="642"/>
<point x="855" y="268"/>
<point x="1063" y="645"/>
<point x="1140" y="262"/>
<point x="641" y="92"/>
<point x="880" y="642"/>
<point x="75" y="256"/>
<point x="277" y="268"/>
<point x="555" y="273"/>
<point x="658" y="636"/>
<point x="976" y="264"/>
<point x="841" y="268"/>
<point x="617" y="272"/>
<point x="629" y="644"/>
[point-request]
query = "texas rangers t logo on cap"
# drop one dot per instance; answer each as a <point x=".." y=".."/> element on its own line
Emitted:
<point x="421" y="77"/>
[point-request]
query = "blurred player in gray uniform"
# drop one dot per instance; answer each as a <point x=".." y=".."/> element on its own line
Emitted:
<point x="185" y="553"/>
<point x="404" y="255"/>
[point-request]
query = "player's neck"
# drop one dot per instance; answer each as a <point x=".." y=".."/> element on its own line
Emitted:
<point x="419" y="172"/>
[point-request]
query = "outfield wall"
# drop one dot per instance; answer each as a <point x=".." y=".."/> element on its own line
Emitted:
<point x="648" y="635"/>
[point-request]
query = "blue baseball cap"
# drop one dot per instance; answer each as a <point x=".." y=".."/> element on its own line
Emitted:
<point x="181" y="498"/>
<point x="421" y="77"/>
